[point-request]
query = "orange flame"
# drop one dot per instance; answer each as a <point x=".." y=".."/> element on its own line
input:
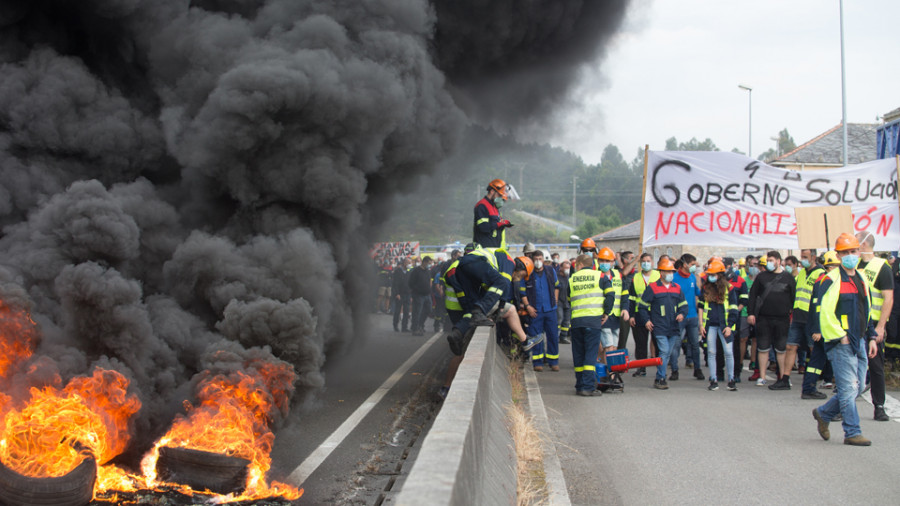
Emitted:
<point x="18" y="335"/>
<point x="233" y="418"/>
<point x="51" y="435"/>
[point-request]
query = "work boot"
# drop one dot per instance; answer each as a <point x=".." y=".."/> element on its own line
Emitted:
<point x="857" y="440"/>
<point x="782" y="384"/>
<point x="538" y="368"/>
<point x="880" y="415"/>
<point x="660" y="384"/>
<point x="822" y="425"/>
<point x="815" y="394"/>
<point x="699" y="374"/>
<point x="455" y="339"/>
<point x="673" y="376"/>
<point x="478" y="319"/>
<point x="554" y="368"/>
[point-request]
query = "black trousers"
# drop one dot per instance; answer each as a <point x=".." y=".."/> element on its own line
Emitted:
<point x="402" y="305"/>
<point x="876" y="376"/>
<point x="641" y="337"/>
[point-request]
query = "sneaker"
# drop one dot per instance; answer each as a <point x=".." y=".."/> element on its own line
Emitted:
<point x="564" y="340"/>
<point x="442" y="393"/>
<point x="880" y="415"/>
<point x="478" y="319"/>
<point x="660" y="384"/>
<point x="754" y="376"/>
<point x="781" y="384"/>
<point x="822" y="426"/>
<point x="713" y="386"/>
<point x="532" y="342"/>
<point x="731" y="386"/>
<point x="815" y="394"/>
<point x="857" y="440"/>
<point x="673" y="376"/>
<point x="455" y="339"/>
<point x="699" y="374"/>
<point x="761" y="382"/>
<point x="828" y="384"/>
<point x="640" y="372"/>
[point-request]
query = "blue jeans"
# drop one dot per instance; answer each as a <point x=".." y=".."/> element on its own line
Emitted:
<point x="849" y="363"/>
<point x="664" y="345"/>
<point x="690" y="327"/>
<point x="585" y="347"/>
<point x="713" y="336"/>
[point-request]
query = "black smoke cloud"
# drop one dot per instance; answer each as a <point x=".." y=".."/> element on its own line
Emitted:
<point x="180" y="180"/>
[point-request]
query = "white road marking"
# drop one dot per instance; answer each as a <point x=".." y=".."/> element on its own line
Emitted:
<point x="891" y="405"/>
<point x="315" y="459"/>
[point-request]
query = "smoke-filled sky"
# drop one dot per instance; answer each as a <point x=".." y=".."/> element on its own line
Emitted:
<point x="189" y="186"/>
<point x="674" y="70"/>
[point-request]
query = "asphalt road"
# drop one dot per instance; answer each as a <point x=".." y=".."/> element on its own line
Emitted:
<point x="367" y="462"/>
<point x="688" y="445"/>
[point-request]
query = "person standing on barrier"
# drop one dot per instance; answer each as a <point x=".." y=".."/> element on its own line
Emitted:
<point x="663" y="308"/>
<point x="591" y="297"/>
<point x="848" y="333"/>
<point x="639" y="283"/>
<point x="878" y="276"/>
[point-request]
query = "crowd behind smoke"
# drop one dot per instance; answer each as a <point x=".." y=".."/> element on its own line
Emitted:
<point x="182" y="180"/>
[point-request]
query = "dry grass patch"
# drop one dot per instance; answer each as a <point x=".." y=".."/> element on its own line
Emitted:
<point x="531" y="486"/>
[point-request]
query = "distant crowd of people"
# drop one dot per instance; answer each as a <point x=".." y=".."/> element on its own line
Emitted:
<point x="830" y="318"/>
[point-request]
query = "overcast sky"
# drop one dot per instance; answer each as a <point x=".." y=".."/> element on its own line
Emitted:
<point x="675" y="67"/>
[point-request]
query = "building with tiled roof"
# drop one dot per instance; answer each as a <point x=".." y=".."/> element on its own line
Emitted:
<point x="826" y="150"/>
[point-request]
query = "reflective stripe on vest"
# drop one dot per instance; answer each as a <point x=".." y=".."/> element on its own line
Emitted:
<point x="725" y="303"/>
<point x="585" y="293"/>
<point x="451" y="296"/>
<point x="870" y="273"/>
<point x="805" y="284"/>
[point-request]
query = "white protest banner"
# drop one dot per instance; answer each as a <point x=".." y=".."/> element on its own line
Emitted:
<point x="387" y="254"/>
<point x="717" y="198"/>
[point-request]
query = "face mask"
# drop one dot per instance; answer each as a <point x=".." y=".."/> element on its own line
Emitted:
<point x="692" y="269"/>
<point x="788" y="269"/>
<point x="770" y="267"/>
<point x="850" y="261"/>
<point x="805" y="263"/>
<point x="605" y="266"/>
<point x="753" y="271"/>
<point x="646" y="266"/>
<point x="538" y="264"/>
<point x="566" y="272"/>
<point x="712" y="279"/>
<point x="498" y="202"/>
<point x="669" y="277"/>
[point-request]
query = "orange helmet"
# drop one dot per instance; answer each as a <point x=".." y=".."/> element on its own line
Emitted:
<point x="665" y="264"/>
<point x="606" y="254"/>
<point x="715" y="267"/>
<point x="588" y="244"/>
<point x="846" y="241"/>
<point x="525" y="263"/>
<point x="500" y="187"/>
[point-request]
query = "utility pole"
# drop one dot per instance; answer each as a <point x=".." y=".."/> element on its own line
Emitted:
<point x="843" y="88"/>
<point x="574" y="219"/>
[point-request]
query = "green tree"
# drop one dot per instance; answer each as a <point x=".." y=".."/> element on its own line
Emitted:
<point x="692" y="145"/>
<point x="784" y="144"/>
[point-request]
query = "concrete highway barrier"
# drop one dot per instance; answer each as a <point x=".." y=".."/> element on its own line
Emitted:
<point x="468" y="457"/>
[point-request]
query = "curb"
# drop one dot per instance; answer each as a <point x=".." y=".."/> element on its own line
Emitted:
<point x="557" y="493"/>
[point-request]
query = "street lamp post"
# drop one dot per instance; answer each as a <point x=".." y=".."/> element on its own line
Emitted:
<point x="750" y="118"/>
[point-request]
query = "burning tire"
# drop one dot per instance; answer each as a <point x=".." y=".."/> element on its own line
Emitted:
<point x="201" y="470"/>
<point x="73" y="489"/>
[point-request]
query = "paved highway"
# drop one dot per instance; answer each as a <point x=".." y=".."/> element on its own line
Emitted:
<point x="688" y="445"/>
<point x="383" y="394"/>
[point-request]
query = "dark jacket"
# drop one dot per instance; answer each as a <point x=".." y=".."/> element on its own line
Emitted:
<point x="400" y="285"/>
<point x="780" y="299"/>
<point x="563" y="301"/>
<point x="487" y="230"/>
<point x="660" y="305"/>
<point x="419" y="281"/>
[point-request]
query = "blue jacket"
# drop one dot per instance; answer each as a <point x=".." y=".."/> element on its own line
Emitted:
<point x="660" y="305"/>
<point x="552" y="283"/>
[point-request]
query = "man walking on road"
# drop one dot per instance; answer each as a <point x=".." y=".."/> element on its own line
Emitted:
<point x="878" y="276"/>
<point x="663" y="308"/>
<point x="847" y="332"/>
<point x="771" y="301"/>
